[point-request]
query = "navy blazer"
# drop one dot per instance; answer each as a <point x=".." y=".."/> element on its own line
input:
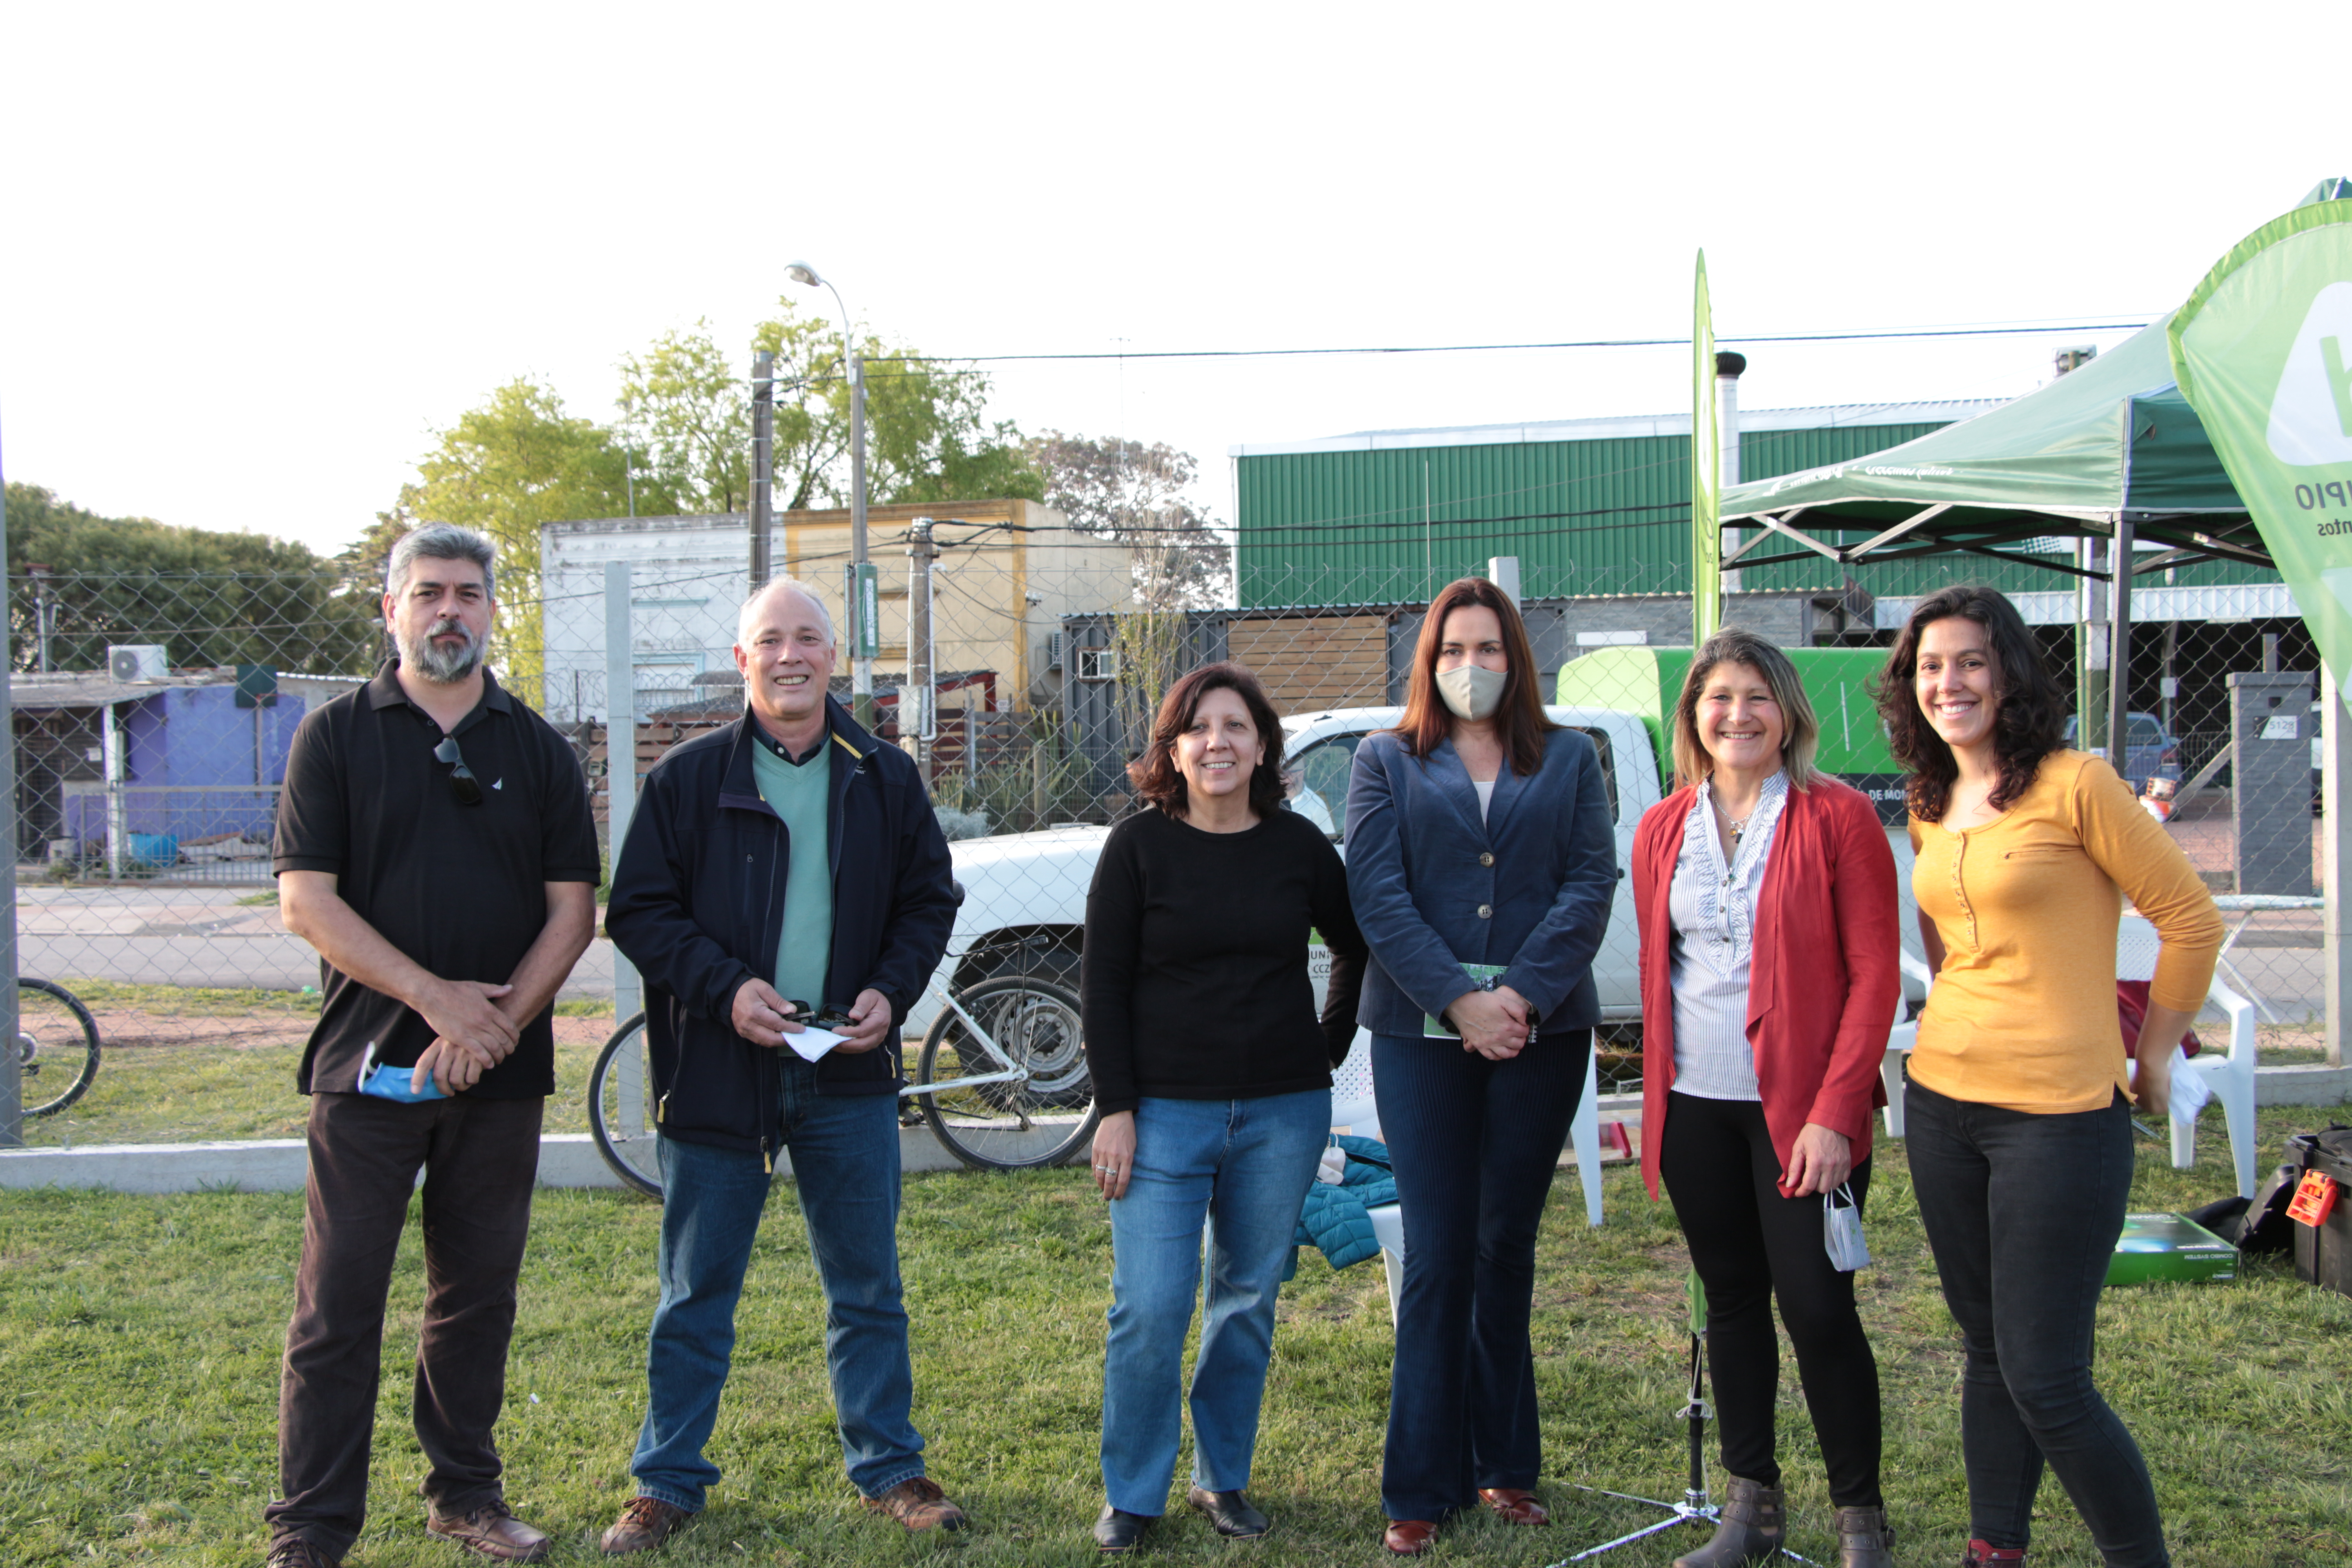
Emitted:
<point x="1434" y="887"/>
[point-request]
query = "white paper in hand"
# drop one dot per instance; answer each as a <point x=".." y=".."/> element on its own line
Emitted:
<point x="811" y="1044"/>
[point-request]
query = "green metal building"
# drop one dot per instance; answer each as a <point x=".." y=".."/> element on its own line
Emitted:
<point x="1589" y="507"/>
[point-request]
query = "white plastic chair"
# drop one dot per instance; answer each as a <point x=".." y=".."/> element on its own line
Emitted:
<point x="2230" y="1074"/>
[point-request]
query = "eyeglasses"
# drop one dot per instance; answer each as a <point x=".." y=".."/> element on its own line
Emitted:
<point x="462" y="782"/>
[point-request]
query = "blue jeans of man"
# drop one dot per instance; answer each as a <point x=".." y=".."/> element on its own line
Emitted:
<point x="2023" y="1213"/>
<point x="1474" y="1144"/>
<point x="1242" y="1167"/>
<point x="845" y="1165"/>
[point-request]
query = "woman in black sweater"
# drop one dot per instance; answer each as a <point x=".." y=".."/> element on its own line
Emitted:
<point x="1214" y="1075"/>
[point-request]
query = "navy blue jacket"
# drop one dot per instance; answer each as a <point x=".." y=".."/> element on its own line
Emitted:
<point x="698" y="905"/>
<point x="1434" y="887"/>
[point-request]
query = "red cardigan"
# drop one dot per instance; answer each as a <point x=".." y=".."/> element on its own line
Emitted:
<point x="1826" y="976"/>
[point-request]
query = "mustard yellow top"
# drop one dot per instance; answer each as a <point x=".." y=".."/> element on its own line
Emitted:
<point x="2022" y="1014"/>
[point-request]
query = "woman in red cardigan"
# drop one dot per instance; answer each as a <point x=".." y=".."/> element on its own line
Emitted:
<point x="1766" y="897"/>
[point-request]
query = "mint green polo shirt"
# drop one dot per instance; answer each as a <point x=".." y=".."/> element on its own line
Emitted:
<point x="800" y="793"/>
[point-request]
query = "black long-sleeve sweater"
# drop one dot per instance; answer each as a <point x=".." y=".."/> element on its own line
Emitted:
<point x="1194" y="979"/>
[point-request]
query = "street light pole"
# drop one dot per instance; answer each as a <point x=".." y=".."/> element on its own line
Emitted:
<point x="862" y="631"/>
<point x="763" y="468"/>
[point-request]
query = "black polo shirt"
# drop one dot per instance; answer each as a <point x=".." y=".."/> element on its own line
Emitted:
<point x="462" y="889"/>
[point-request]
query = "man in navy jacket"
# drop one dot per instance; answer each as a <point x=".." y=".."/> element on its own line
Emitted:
<point x="789" y="860"/>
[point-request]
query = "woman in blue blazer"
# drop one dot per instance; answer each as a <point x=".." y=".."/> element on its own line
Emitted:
<point x="1481" y="861"/>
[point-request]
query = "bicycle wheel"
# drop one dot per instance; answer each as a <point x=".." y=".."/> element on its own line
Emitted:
<point x="621" y="1107"/>
<point x="57" y="1040"/>
<point x="1012" y="1125"/>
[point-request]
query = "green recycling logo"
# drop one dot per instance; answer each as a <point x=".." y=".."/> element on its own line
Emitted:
<point x="2311" y="415"/>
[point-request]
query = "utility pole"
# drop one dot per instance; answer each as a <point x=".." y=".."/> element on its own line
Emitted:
<point x="763" y="462"/>
<point x="12" y="1079"/>
<point x="40" y="576"/>
<point x="918" y="698"/>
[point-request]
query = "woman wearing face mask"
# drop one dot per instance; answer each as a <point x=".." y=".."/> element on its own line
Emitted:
<point x="1214" y="1077"/>
<point x="1482" y="860"/>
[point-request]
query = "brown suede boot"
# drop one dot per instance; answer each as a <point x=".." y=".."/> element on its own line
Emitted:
<point x="1864" y="1538"/>
<point x="1754" y="1522"/>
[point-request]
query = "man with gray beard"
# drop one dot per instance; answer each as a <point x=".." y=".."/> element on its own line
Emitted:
<point x="435" y="845"/>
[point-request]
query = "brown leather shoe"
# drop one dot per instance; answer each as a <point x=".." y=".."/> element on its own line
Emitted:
<point x="645" y="1524"/>
<point x="919" y="1504"/>
<point x="1410" y="1537"/>
<point x="493" y="1530"/>
<point x="1515" y="1503"/>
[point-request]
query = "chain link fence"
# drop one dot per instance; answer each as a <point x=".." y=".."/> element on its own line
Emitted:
<point x="153" y="719"/>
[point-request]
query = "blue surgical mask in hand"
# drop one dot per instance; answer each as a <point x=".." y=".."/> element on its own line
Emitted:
<point x="1841" y="1232"/>
<point x="388" y="1082"/>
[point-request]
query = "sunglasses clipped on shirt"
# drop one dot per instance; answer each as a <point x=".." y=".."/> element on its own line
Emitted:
<point x="462" y="782"/>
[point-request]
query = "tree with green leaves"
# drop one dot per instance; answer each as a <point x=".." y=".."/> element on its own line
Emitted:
<point x="1137" y="494"/>
<point x="516" y="463"/>
<point x="208" y="598"/>
<point x="687" y="405"/>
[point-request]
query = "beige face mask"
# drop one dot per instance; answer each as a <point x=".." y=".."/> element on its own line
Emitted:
<point x="1471" y="692"/>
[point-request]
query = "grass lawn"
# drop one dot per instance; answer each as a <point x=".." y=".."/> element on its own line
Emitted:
<point x="139" y="1340"/>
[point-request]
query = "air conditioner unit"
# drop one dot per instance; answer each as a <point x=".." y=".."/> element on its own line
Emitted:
<point x="137" y="661"/>
<point x="1053" y="651"/>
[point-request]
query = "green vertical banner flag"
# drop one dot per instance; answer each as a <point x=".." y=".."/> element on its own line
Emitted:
<point x="1707" y="473"/>
<point x="2262" y="351"/>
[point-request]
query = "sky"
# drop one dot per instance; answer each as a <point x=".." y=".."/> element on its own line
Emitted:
<point x="255" y="255"/>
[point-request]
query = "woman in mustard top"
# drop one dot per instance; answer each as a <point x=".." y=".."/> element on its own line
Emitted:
<point x="2019" y="1106"/>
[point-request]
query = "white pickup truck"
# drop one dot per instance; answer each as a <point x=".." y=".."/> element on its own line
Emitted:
<point x="1024" y="906"/>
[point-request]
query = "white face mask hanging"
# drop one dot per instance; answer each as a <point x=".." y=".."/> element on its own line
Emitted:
<point x="1471" y="692"/>
<point x="1842" y="1231"/>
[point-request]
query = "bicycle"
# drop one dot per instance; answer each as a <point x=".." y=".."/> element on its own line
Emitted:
<point x="56" y="1046"/>
<point x="1001" y="1077"/>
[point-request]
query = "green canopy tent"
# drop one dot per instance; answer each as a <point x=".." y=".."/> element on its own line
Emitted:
<point x="2111" y="445"/>
<point x="2110" y="451"/>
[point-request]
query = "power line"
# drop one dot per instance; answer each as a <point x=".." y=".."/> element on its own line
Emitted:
<point x="1509" y="348"/>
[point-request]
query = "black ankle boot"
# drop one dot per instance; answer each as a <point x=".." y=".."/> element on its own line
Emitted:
<point x="1864" y="1538"/>
<point x="1754" y="1522"/>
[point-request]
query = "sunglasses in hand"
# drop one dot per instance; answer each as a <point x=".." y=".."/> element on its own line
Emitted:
<point x="832" y="1015"/>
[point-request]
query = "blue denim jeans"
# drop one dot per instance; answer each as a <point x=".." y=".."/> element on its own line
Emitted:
<point x="845" y="1159"/>
<point x="1242" y="1167"/>
<point x="1474" y="1144"/>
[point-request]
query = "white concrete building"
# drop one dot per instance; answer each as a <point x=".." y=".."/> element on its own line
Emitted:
<point x="1006" y="573"/>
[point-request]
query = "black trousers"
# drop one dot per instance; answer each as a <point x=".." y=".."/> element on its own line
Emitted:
<point x="2023" y="1212"/>
<point x="1474" y="1144"/>
<point x="1750" y="1245"/>
<point x="480" y="1158"/>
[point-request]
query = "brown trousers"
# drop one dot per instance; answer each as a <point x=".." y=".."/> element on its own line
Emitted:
<point x="480" y="1158"/>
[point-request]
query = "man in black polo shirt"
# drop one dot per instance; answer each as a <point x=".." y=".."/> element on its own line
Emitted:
<point x="435" y="844"/>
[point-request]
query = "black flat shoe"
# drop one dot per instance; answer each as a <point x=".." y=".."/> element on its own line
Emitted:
<point x="1230" y="1512"/>
<point x="1116" y="1532"/>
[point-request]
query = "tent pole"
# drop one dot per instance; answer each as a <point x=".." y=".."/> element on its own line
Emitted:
<point x="2336" y="855"/>
<point x="2119" y="648"/>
